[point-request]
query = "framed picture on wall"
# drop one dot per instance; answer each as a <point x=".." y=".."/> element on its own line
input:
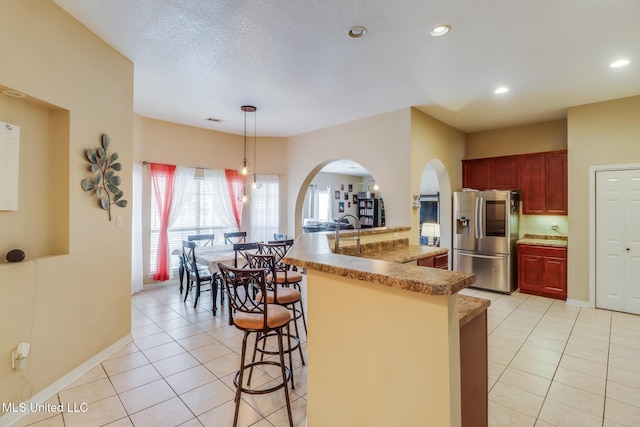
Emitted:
<point x="348" y="204"/>
<point x="341" y="207"/>
<point x="337" y="194"/>
<point x="350" y="188"/>
<point x="346" y="195"/>
<point x="342" y="187"/>
<point x="355" y="198"/>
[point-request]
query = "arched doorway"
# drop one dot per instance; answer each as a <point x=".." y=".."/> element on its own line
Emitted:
<point x="336" y="188"/>
<point x="436" y="200"/>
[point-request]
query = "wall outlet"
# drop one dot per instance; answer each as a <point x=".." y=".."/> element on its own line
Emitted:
<point x="554" y="226"/>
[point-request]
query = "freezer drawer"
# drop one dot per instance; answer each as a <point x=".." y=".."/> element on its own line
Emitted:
<point x="493" y="271"/>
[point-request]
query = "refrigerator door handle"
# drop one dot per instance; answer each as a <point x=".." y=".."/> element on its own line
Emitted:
<point x="480" y="217"/>
<point x="476" y="217"/>
<point x="481" y="256"/>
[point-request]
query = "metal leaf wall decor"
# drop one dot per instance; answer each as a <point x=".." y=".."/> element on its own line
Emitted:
<point x="104" y="182"/>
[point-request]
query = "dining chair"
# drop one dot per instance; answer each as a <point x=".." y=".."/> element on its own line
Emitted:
<point x="204" y="239"/>
<point x="287" y="297"/>
<point x="208" y="240"/>
<point x="284" y="274"/>
<point x="235" y="237"/>
<point x="196" y="277"/>
<point x="259" y="318"/>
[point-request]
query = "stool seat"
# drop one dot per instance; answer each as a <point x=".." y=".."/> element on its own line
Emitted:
<point x="291" y="277"/>
<point x="285" y="296"/>
<point x="277" y="317"/>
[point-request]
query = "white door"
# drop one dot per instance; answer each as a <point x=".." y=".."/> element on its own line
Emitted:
<point x="618" y="240"/>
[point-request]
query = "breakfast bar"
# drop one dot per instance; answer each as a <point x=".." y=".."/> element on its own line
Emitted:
<point x="384" y="336"/>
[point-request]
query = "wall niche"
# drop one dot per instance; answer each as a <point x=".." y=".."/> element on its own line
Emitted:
<point x="40" y="225"/>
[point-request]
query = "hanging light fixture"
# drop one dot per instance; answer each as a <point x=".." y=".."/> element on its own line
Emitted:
<point x="244" y="167"/>
<point x="255" y="184"/>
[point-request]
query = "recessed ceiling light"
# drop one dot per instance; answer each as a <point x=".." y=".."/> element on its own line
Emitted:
<point x="357" y="31"/>
<point x="440" y="30"/>
<point x="501" y="90"/>
<point x="620" y="63"/>
<point x="13" y="93"/>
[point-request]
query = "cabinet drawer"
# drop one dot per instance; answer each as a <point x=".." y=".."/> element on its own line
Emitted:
<point x="544" y="251"/>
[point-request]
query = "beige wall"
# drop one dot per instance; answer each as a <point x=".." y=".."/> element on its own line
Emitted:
<point x="158" y="141"/>
<point x="443" y="147"/>
<point x="59" y="298"/>
<point x="532" y="138"/>
<point x="381" y="144"/>
<point x="605" y="133"/>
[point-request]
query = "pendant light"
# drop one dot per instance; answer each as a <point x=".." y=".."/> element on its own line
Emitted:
<point x="244" y="167"/>
<point x="255" y="184"/>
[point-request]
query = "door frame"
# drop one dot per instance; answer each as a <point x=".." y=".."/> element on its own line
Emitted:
<point x="592" y="221"/>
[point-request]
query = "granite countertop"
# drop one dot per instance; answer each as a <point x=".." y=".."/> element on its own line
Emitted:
<point x="469" y="307"/>
<point x="313" y="251"/>
<point x="398" y="250"/>
<point x="544" y="240"/>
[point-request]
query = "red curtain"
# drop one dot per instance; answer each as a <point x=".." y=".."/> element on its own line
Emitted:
<point x="163" y="179"/>
<point x="236" y="183"/>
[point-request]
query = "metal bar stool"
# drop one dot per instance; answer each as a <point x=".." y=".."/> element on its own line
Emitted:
<point x="260" y="318"/>
<point x="284" y="296"/>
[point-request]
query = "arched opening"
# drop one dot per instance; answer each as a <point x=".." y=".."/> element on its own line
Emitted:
<point x="435" y="203"/>
<point x="335" y="189"/>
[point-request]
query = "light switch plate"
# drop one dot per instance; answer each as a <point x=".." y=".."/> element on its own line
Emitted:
<point x="119" y="221"/>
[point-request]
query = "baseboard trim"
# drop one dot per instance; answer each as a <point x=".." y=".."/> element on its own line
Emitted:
<point x="579" y="303"/>
<point x="59" y="385"/>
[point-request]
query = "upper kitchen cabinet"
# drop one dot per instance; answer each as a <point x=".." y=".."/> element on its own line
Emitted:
<point x="541" y="178"/>
<point x="504" y="173"/>
<point x="475" y="174"/>
<point x="495" y="173"/>
<point x="544" y="178"/>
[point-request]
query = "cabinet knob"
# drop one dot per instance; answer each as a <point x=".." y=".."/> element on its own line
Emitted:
<point x="628" y="249"/>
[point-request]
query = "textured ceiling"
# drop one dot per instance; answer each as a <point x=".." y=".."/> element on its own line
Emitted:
<point x="196" y="59"/>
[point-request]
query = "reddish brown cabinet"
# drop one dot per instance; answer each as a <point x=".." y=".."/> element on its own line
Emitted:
<point x="541" y="178"/>
<point x="504" y="173"/>
<point x="438" y="261"/>
<point x="542" y="271"/>
<point x="475" y="174"/>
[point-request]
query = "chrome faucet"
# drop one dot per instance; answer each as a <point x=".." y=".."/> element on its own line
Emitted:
<point x="358" y="227"/>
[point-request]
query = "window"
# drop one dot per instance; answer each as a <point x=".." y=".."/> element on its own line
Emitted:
<point x="324" y="205"/>
<point x="265" y="209"/>
<point x="198" y="216"/>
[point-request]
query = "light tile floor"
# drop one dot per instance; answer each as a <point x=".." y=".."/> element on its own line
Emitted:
<point x="550" y="364"/>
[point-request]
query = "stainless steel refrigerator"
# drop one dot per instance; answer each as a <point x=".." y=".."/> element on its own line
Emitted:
<point x="485" y="231"/>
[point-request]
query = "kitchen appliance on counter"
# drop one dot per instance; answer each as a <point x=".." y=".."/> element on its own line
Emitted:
<point x="485" y="231"/>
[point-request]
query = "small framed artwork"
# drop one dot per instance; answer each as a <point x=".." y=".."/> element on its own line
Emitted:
<point x="355" y="198"/>
<point x="337" y="194"/>
<point x="341" y="207"/>
<point x="348" y="204"/>
<point x="346" y="195"/>
<point x="350" y="188"/>
<point x="342" y="187"/>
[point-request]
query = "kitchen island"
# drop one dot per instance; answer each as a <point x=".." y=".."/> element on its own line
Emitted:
<point x="384" y="337"/>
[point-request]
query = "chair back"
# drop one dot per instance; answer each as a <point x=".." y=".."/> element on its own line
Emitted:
<point x="235" y="237"/>
<point x="205" y="239"/>
<point x="241" y="285"/>
<point x="277" y="249"/>
<point x="189" y="256"/>
<point x="240" y="259"/>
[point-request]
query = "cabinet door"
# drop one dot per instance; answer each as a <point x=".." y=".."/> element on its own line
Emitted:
<point x="530" y="272"/>
<point x="555" y="277"/>
<point x="475" y="174"/>
<point x="556" y="184"/>
<point x="504" y="173"/>
<point x="441" y="261"/>
<point x="534" y="183"/>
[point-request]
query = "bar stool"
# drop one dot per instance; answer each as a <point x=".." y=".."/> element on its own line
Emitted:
<point x="283" y="274"/>
<point x="284" y="296"/>
<point x="260" y="318"/>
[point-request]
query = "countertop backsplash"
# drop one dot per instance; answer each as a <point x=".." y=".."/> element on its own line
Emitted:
<point x="542" y="225"/>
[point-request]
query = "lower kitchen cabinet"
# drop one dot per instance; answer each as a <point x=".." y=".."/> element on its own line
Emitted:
<point x="542" y="271"/>
<point x="474" y="380"/>
<point x="438" y="261"/>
